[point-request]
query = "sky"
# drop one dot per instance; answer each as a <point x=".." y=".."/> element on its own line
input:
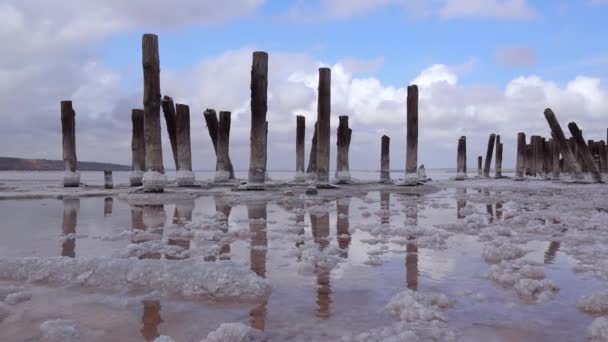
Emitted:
<point x="482" y="67"/>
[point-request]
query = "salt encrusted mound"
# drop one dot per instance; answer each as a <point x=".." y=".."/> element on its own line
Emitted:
<point x="71" y="178"/>
<point x="235" y="332"/>
<point x="311" y="257"/>
<point x="184" y="178"/>
<point x="499" y="250"/>
<point x="154" y="181"/>
<point x="538" y="291"/>
<point x="60" y="330"/>
<point x="595" y="304"/>
<point x="18" y="297"/>
<point x="189" y="278"/>
<point x="412" y="306"/>
<point x="526" y="277"/>
<point x="598" y="330"/>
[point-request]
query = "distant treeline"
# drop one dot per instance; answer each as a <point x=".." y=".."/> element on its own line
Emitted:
<point x="20" y="164"/>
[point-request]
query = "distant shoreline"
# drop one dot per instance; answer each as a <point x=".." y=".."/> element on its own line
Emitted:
<point x="22" y="164"/>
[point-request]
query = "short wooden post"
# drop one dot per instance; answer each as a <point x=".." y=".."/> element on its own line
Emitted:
<point x="108" y="183"/>
<point x="585" y="152"/>
<point x="222" y="171"/>
<point x="461" y="159"/>
<point x="185" y="176"/>
<point x="489" y="153"/>
<point x="603" y="156"/>
<point x="71" y="175"/>
<point x="154" y="179"/>
<point x="385" y="160"/>
<point x="259" y="107"/>
<point x="520" y="166"/>
<point x="529" y="159"/>
<point x="300" y="141"/>
<point x="479" y="167"/>
<point x="323" y="129"/>
<point x="343" y="144"/>
<point x="169" y="111"/>
<point x="555" y="167"/>
<point x="411" y="153"/>
<point x="212" y="126"/>
<point x="569" y="160"/>
<point x="138" y="148"/>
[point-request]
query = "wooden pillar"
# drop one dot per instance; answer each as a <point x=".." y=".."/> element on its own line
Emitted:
<point x="520" y="166"/>
<point x="343" y="145"/>
<point x="154" y="179"/>
<point x="311" y="170"/>
<point x="479" y="166"/>
<point x="555" y="165"/>
<point x="569" y="160"/>
<point x="323" y="125"/>
<point x="498" y="164"/>
<point x="300" y="142"/>
<point x="108" y="183"/>
<point x="266" y="152"/>
<point x="411" y="154"/>
<point x="212" y="126"/>
<point x="169" y="111"/>
<point x="585" y="152"/>
<point x="461" y="159"/>
<point x="385" y="160"/>
<point x="185" y="176"/>
<point x="529" y="159"/>
<point x="489" y="152"/>
<point x="537" y="152"/>
<point x="603" y="156"/>
<point x="71" y="175"/>
<point x="259" y="107"/>
<point x="222" y="170"/>
<point x="138" y="148"/>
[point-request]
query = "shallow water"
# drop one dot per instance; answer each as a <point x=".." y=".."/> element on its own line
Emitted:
<point x="369" y="233"/>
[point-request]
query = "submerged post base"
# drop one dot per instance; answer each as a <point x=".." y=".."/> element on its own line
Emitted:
<point x="71" y="179"/>
<point x="185" y="178"/>
<point x="460" y="176"/>
<point x="135" y="178"/>
<point x="154" y="181"/>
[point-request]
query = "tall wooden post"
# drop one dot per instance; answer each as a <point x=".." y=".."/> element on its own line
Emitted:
<point x="300" y="141"/>
<point x="479" y="167"/>
<point x="222" y="170"/>
<point x="259" y="107"/>
<point x="323" y="126"/>
<point x="266" y="152"/>
<point x="185" y="176"/>
<point x="71" y="175"/>
<point x="555" y="167"/>
<point x="520" y="166"/>
<point x="498" y="164"/>
<point x="569" y="160"/>
<point x="343" y="145"/>
<point x="585" y="152"/>
<point x="547" y="159"/>
<point x="461" y="159"/>
<point x="138" y="148"/>
<point x="154" y="179"/>
<point x="212" y="126"/>
<point x="385" y="160"/>
<point x="169" y="111"/>
<point x="489" y="152"/>
<point x="311" y="170"/>
<point x="411" y="154"/>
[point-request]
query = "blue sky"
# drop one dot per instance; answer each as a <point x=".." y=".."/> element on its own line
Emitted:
<point x="484" y="66"/>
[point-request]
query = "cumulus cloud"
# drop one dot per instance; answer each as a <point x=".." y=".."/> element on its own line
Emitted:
<point x="516" y="56"/>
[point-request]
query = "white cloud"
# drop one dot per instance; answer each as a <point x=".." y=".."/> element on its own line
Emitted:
<point x="508" y="9"/>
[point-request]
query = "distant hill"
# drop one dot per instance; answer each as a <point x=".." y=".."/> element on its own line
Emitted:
<point x="20" y="164"/>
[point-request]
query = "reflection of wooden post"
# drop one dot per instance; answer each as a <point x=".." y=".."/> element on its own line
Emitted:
<point x="151" y="320"/>
<point x="213" y="128"/>
<point x="225" y="208"/>
<point x="71" y="176"/>
<point x="68" y="227"/>
<point x="320" y="231"/>
<point x="461" y="159"/>
<point x="411" y="153"/>
<point x="300" y="141"/>
<point x="343" y="225"/>
<point x="385" y="207"/>
<point x="520" y="166"/>
<point x="259" y="107"/>
<point x="343" y="145"/>
<point x="257" y="214"/>
<point x="108" y="203"/>
<point x="489" y="152"/>
<point x="138" y="148"/>
<point x="170" y="119"/>
<point x="222" y="166"/>
<point x="569" y="159"/>
<point x="551" y="252"/>
<point x="154" y="179"/>
<point x="411" y="257"/>
<point x="323" y="125"/>
<point x="585" y="152"/>
<point x="461" y="201"/>
<point x="385" y="160"/>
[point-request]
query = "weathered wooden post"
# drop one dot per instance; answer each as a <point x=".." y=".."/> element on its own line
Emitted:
<point x="537" y="152"/>
<point x="548" y="158"/>
<point x="555" y="167"/>
<point x="266" y="178"/>
<point x="385" y="160"/>
<point x="71" y="175"/>
<point x="569" y="160"/>
<point x="154" y="179"/>
<point x="169" y="111"/>
<point x="185" y="176"/>
<point x="323" y="126"/>
<point x="603" y="156"/>
<point x="222" y="170"/>
<point x="520" y="166"/>
<point x="498" y="165"/>
<point x="585" y="152"/>
<point x="300" y="141"/>
<point x="343" y="145"/>
<point x="311" y="170"/>
<point x="489" y="152"/>
<point x="461" y="159"/>
<point x="108" y="183"/>
<point x="479" y="167"/>
<point x="529" y="159"/>
<point x="411" y="155"/>
<point x="138" y="148"/>
<point x="212" y="126"/>
<point x="259" y="107"/>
